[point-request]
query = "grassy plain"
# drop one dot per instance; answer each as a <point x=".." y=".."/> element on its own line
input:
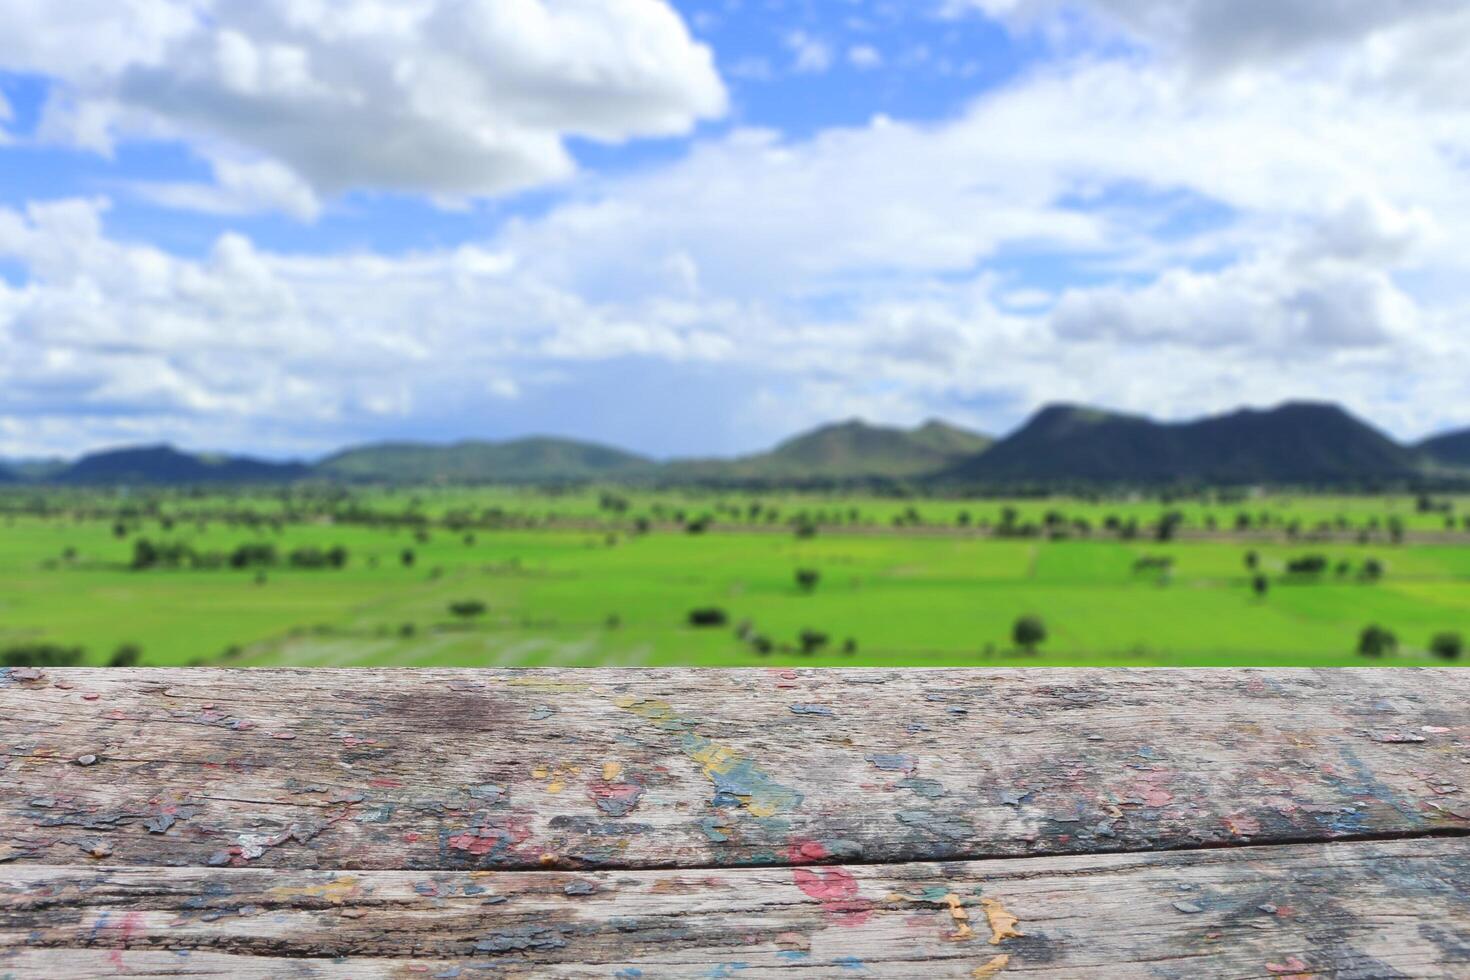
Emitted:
<point x="568" y="580"/>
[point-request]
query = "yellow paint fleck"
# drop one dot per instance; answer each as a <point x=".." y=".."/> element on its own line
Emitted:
<point x="540" y="772"/>
<point x="555" y="786"/>
<point x="1002" y="923"/>
<point x="996" y="964"/>
<point x="611" y="771"/>
<point x="336" y="891"/>
<point x="961" y="918"/>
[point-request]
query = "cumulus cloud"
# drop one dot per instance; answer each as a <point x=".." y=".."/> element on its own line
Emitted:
<point x="442" y="97"/>
<point x="886" y="269"/>
<point x="1414" y="45"/>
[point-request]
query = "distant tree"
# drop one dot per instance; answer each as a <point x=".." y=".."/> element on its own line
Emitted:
<point x="708" y="617"/>
<point x="1252" y="560"/>
<point x="1447" y="646"/>
<point x="467" y="608"/>
<point x="1261" y="585"/>
<point x="812" y="641"/>
<point x="807" y="579"/>
<point x="40" y="655"/>
<point x="407" y="558"/>
<point x="1307" y="565"/>
<point x="1372" y="570"/>
<point x="145" y="555"/>
<point x="1029" y="633"/>
<point x="1168" y="526"/>
<point x="407" y="630"/>
<point x="849" y="646"/>
<point x="119" y="530"/>
<point x="1376" y="641"/>
<point x="127" y="655"/>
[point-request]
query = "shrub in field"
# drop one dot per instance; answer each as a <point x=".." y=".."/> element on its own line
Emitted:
<point x="127" y="655"/>
<point x="812" y="641"/>
<point x="1307" y="565"/>
<point x="1029" y="633"/>
<point x="40" y="655"/>
<point x="807" y="579"/>
<point x="467" y="608"/>
<point x="1376" y="641"/>
<point x="260" y="555"/>
<point x="1260" y="585"/>
<point x="1447" y="646"/>
<point x="708" y="617"/>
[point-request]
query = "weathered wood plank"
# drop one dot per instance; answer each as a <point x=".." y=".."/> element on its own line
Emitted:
<point x="482" y="769"/>
<point x="1393" y="909"/>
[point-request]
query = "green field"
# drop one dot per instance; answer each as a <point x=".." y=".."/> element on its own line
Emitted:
<point x="607" y="578"/>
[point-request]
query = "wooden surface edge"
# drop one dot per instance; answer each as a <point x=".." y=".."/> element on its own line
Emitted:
<point x="1372" y="909"/>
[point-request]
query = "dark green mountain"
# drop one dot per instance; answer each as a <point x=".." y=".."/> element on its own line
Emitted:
<point x="1449" y="449"/>
<point x="31" y="469"/>
<point x="1295" y="443"/>
<point x="165" y="464"/>
<point x="850" y="450"/>
<point x="535" y="460"/>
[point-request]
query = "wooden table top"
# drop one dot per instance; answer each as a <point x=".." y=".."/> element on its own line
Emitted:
<point x="735" y="823"/>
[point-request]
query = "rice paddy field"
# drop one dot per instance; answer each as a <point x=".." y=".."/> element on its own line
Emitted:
<point x="505" y="577"/>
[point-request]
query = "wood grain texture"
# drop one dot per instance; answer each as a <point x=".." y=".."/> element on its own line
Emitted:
<point x="1393" y="909"/>
<point x="459" y="770"/>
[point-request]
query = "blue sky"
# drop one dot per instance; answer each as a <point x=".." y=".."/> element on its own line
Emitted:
<point x="697" y="227"/>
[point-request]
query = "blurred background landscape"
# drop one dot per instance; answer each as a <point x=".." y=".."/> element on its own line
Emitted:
<point x="736" y="332"/>
<point x="1299" y="536"/>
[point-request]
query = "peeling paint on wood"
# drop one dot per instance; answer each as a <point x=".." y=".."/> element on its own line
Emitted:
<point x="945" y="823"/>
<point x="1341" y="909"/>
<point x="713" y="767"/>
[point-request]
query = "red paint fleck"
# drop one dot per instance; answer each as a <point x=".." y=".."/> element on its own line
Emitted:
<point x="284" y="736"/>
<point x="837" y="890"/>
<point x="90" y="696"/>
<point x="474" y="843"/>
<point x="411" y="837"/>
<point x="807" y="850"/>
<point x="1292" y="964"/>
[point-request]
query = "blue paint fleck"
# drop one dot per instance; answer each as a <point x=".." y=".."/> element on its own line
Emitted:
<point x="893" y="763"/>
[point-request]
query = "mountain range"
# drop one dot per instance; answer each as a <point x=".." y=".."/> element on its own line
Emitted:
<point x="1297" y="443"/>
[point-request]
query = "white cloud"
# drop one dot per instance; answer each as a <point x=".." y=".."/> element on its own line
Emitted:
<point x="1412" y="44"/>
<point x="441" y="97"/>
<point x="864" y="57"/>
<point x="240" y="187"/>
<point x="809" y="54"/>
<point x="865" y="270"/>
